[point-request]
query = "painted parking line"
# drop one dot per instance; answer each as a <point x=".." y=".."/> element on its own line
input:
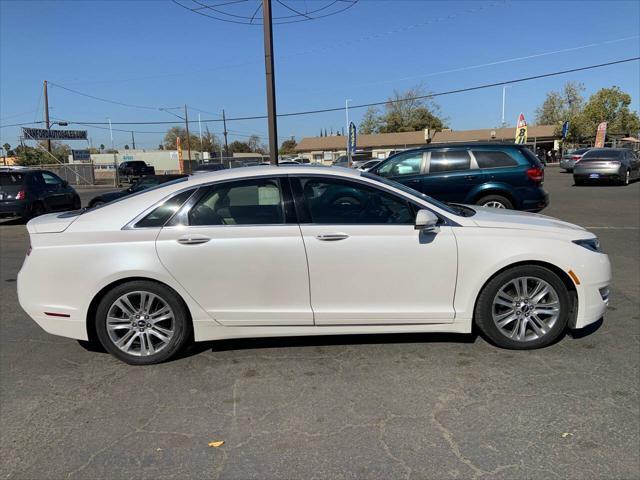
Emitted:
<point x="612" y="228"/>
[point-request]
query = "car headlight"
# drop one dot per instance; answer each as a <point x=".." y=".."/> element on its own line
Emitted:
<point x="592" y="244"/>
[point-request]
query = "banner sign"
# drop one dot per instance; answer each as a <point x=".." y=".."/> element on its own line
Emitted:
<point x="81" y="155"/>
<point x="521" y="130"/>
<point x="44" y="134"/>
<point x="565" y="129"/>
<point x="180" y="158"/>
<point x="352" y="137"/>
<point x="601" y="135"/>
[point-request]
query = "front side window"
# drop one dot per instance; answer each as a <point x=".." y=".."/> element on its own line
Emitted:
<point x="332" y="201"/>
<point x="160" y="215"/>
<point x="449" y="161"/>
<point x="50" y="179"/>
<point x="493" y="159"/>
<point x="403" y="164"/>
<point x="247" y="202"/>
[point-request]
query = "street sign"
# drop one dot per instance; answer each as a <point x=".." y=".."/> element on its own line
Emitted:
<point x="352" y="137"/>
<point x="81" y="155"/>
<point x="565" y="129"/>
<point x="601" y="134"/>
<point x="521" y="130"/>
<point x="46" y="134"/>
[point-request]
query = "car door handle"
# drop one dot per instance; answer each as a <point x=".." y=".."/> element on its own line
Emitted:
<point x="469" y="177"/>
<point x="193" y="239"/>
<point x="332" y="237"/>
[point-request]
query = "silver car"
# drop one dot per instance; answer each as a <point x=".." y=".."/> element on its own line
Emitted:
<point x="569" y="159"/>
<point x="610" y="164"/>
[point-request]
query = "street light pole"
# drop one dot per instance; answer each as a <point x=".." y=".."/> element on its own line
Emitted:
<point x="186" y="122"/>
<point x="116" y="180"/>
<point x="271" y="81"/>
<point x="504" y="95"/>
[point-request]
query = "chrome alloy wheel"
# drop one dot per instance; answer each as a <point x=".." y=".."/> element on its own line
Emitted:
<point x="525" y="309"/>
<point x="493" y="204"/>
<point x="140" y="323"/>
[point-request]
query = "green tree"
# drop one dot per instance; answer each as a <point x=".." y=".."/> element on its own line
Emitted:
<point x="126" y="147"/>
<point x="173" y="133"/>
<point x="209" y="142"/>
<point x="239" y="147"/>
<point x="255" y="145"/>
<point x="288" y="147"/>
<point x="7" y="148"/>
<point x="609" y="105"/>
<point x="561" y="106"/>
<point x="371" y="121"/>
<point x="407" y="111"/>
<point x="28" y="156"/>
<point x="102" y="147"/>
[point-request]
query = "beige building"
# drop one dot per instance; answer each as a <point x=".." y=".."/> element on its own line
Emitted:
<point x="380" y="145"/>
<point x="164" y="161"/>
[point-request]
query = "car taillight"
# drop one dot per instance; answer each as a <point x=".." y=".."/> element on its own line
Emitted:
<point x="536" y="174"/>
<point x="29" y="250"/>
<point x="575" y="157"/>
<point x="20" y="195"/>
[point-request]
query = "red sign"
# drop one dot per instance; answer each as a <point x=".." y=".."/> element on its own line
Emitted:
<point x="601" y="134"/>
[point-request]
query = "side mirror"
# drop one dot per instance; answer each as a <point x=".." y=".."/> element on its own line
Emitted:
<point x="427" y="221"/>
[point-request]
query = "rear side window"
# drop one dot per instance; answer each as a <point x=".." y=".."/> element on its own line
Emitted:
<point x="601" y="153"/>
<point x="248" y="202"/>
<point x="160" y="216"/>
<point x="10" y="179"/>
<point x="449" y="161"/>
<point x="403" y="164"/>
<point x="493" y="159"/>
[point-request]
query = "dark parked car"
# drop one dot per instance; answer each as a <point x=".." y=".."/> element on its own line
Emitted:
<point x="29" y="193"/>
<point x="496" y="175"/>
<point x="208" y="167"/>
<point x="619" y="165"/>
<point x="142" y="184"/>
<point x="133" y="169"/>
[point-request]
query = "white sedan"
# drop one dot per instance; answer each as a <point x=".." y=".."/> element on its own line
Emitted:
<point x="277" y="251"/>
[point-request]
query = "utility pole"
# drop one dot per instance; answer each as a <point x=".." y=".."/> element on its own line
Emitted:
<point x="346" y="111"/>
<point x="271" y="81"/>
<point x="186" y="122"/>
<point x="46" y="114"/>
<point x="224" y="124"/>
<point x="133" y="140"/>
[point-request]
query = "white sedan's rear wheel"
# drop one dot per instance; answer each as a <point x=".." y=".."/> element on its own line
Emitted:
<point x="142" y="322"/>
<point x="523" y="308"/>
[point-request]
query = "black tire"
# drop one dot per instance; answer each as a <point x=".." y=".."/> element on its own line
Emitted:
<point x="577" y="182"/>
<point x="483" y="315"/>
<point x="182" y="323"/>
<point x="496" y="199"/>
<point x="96" y="203"/>
<point x="626" y="179"/>
<point x="36" y="210"/>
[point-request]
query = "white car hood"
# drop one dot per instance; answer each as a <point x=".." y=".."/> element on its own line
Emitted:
<point x="502" y="218"/>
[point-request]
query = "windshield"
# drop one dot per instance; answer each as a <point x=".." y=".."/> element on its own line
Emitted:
<point x="601" y="153"/>
<point x="413" y="193"/>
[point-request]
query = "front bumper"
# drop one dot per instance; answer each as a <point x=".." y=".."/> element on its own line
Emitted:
<point x="593" y="291"/>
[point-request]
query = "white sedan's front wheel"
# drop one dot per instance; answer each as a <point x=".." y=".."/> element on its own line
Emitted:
<point x="142" y="322"/>
<point x="523" y="308"/>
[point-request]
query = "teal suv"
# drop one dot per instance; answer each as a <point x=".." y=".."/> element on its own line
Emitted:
<point x="489" y="174"/>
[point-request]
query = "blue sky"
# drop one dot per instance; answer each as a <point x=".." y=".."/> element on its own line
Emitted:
<point x="155" y="53"/>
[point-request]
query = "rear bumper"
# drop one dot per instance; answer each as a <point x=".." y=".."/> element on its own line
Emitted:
<point x="539" y="202"/>
<point x="13" y="209"/>
<point x="567" y="164"/>
<point x="595" y="174"/>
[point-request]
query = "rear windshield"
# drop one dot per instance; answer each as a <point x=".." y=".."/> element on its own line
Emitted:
<point x="11" y="179"/>
<point x="140" y="192"/>
<point x="529" y="155"/>
<point x="601" y="153"/>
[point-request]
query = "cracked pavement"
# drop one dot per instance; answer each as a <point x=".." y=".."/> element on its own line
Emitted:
<point x="389" y="406"/>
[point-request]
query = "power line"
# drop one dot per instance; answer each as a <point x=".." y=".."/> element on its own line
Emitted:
<point x="373" y="104"/>
<point x="123" y="104"/>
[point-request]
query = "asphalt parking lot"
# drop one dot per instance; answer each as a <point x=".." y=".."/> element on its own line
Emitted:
<point x="391" y="406"/>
